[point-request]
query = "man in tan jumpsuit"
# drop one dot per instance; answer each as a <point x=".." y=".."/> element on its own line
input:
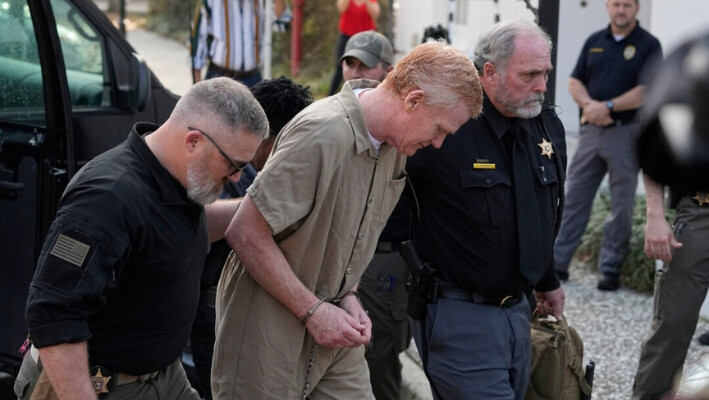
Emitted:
<point x="289" y="324"/>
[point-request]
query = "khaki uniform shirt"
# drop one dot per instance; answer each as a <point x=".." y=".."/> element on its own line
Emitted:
<point x="326" y="194"/>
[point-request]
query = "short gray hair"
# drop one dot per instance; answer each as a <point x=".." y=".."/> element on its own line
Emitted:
<point x="222" y="104"/>
<point x="497" y="45"/>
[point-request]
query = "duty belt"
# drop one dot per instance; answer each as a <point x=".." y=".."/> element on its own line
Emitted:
<point x="450" y="292"/>
<point x="103" y="380"/>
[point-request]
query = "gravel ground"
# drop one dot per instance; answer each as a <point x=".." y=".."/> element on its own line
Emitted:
<point x="612" y="326"/>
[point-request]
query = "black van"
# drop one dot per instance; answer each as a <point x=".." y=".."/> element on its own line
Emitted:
<point x="71" y="87"/>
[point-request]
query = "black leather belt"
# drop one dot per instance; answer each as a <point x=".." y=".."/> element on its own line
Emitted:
<point x="388" y="247"/>
<point x="444" y="291"/>
<point x="232" y="73"/>
<point x="103" y="380"/>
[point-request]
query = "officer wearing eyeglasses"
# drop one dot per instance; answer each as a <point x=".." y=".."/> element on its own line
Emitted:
<point x="117" y="282"/>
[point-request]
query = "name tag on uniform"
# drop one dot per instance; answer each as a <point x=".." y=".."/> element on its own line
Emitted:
<point x="596" y="50"/>
<point x="483" y="166"/>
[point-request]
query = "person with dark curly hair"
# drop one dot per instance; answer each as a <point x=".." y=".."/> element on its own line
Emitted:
<point x="281" y="99"/>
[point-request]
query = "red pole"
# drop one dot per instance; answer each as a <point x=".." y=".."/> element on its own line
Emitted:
<point x="295" y="42"/>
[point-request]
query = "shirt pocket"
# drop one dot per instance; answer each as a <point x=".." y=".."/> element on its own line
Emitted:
<point x="488" y="196"/>
<point x="548" y="191"/>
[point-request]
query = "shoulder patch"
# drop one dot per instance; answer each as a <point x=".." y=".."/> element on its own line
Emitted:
<point x="70" y="250"/>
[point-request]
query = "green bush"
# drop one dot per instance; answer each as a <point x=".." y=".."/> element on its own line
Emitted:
<point x="171" y="18"/>
<point x="637" y="270"/>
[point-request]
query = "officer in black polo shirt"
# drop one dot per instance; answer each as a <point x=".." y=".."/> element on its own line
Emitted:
<point x="117" y="282"/>
<point x="606" y="84"/>
<point x="488" y="206"/>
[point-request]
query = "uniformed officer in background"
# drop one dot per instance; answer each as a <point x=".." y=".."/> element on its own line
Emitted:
<point x="117" y="282"/>
<point x="606" y="84"/>
<point x="674" y="152"/>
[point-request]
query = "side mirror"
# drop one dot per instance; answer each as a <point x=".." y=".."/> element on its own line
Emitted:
<point x="136" y="94"/>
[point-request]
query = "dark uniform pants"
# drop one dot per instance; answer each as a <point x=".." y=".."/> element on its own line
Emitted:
<point x="170" y="383"/>
<point x="475" y="351"/>
<point x="383" y="293"/>
<point x="680" y="289"/>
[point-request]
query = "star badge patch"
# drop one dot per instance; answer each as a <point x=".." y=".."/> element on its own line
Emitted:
<point x="701" y="198"/>
<point x="100" y="382"/>
<point x="547" y="150"/>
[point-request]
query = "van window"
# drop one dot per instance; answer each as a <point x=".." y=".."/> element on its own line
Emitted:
<point x="84" y="57"/>
<point x="21" y="84"/>
<point x="21" y="89"/>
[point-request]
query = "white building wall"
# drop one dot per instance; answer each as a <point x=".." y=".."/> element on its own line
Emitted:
<point x="481" y="16"/>
<point x="675" y="21"/>
<point x="412" y="17"/>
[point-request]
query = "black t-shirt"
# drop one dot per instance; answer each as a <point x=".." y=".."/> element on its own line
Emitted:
<point x="121" y="264"/>
<point x="468" y="224"/>
<point x="609" y="68"/>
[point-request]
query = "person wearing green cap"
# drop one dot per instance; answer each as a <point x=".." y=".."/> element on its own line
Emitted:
<point x="368" y="55"/>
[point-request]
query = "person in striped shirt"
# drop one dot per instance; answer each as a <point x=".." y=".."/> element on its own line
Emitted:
<point x="226" y="36"/>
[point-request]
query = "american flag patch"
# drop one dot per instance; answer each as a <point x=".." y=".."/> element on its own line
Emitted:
<point x="70" y="250"/>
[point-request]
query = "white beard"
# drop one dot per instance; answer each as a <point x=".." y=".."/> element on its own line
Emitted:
<point x="528" y="108"/>
<point x="201" y="187"/>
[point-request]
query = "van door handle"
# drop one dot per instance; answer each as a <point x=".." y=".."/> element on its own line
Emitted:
<point x="11" y="190"/>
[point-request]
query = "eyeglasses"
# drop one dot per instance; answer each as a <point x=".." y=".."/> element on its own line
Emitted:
<point x="237" y="167"/>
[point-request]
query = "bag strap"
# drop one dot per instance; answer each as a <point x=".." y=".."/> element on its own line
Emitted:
<point x="577" y="370"/>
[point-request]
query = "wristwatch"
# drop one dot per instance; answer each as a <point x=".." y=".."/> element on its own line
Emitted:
<point x="610" y="104"/>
